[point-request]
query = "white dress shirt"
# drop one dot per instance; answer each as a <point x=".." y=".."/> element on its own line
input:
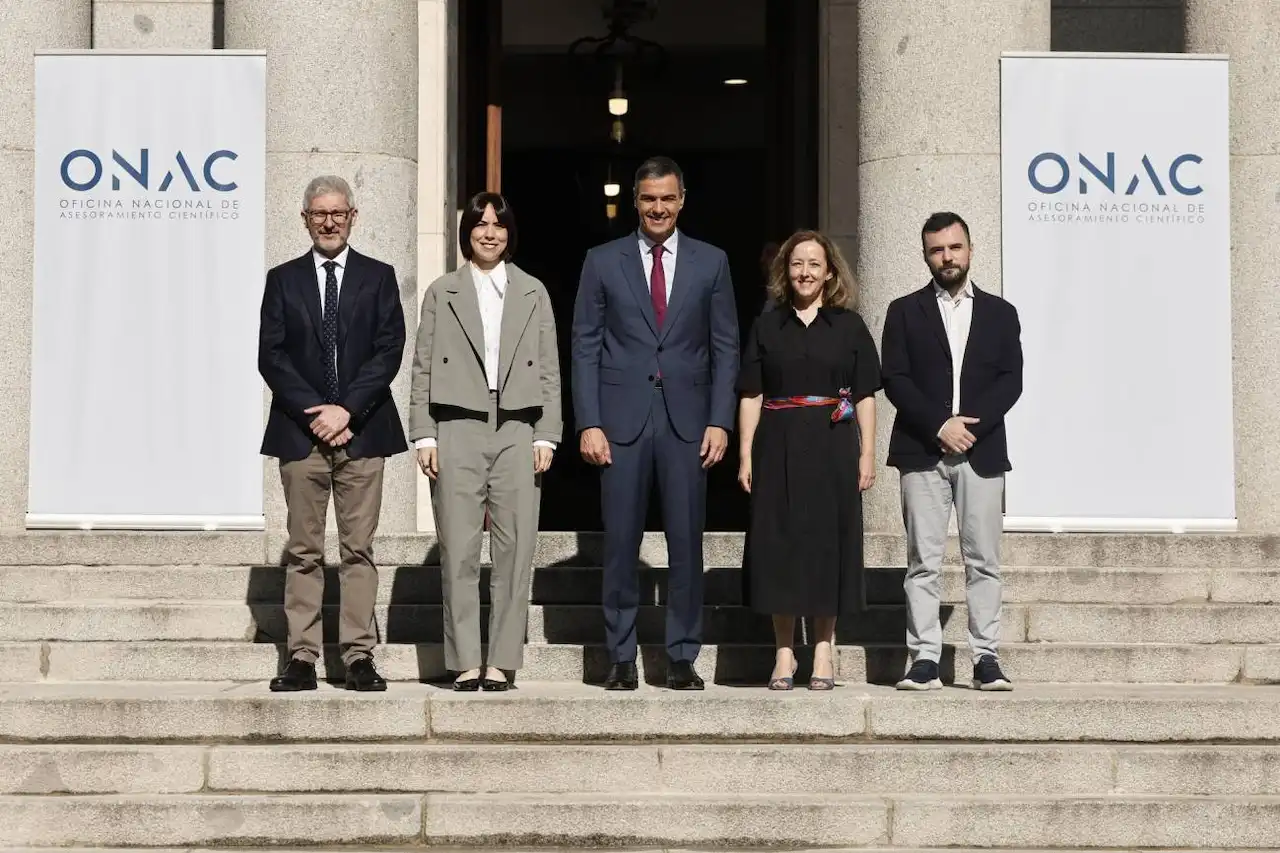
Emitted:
<point x="341" y="261"/>
<point x="957" y="317"/>
<point x="491" y="292"/>
<point x="670" y="246"/>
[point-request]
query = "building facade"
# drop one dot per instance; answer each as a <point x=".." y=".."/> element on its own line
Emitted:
<point x="907" y="106"/>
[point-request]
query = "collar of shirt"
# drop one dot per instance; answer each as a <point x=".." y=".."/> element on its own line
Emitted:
<point x="669" y="246"/>
<point x="340" y="260"/>
<point x="790" y="315"/>
<point x="497" y="275"/>
<point x="966" y="292"/>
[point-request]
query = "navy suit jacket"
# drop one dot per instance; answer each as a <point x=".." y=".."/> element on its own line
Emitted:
<point x="918" y="375"/>
<point x="619" y="352"/>
<point x="370" y="347"/>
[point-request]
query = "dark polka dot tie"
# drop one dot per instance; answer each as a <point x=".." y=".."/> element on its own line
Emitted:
<point x="329" y="332"/>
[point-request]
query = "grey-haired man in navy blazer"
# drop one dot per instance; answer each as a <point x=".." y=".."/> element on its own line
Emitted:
<point x="330" y="344"/>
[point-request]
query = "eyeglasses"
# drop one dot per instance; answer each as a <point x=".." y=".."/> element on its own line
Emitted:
<point x="317" y="217"/>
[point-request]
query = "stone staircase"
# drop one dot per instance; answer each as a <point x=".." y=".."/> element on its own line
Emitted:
<point x="135" y="712"/>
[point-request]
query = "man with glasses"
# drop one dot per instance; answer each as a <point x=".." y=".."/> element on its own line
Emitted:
<point x="330" y="344"/>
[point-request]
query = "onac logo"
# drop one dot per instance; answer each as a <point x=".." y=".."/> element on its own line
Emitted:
<point x="1049" y="173"/>
<point x="138" y="169"/>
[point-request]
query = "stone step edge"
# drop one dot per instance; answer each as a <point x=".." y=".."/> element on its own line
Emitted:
<point x="456" y="818"/>
<point x="204" y="603"/>
<point x="244" y="661"/>
<point x="419" y="848"/>
<point x="871" y="770"/>
<point x="27" y="548"/>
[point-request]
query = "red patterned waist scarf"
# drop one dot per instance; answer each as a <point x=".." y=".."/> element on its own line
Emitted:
<point x="842" y="405"/>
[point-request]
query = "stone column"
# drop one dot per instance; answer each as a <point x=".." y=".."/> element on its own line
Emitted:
<point x="1248" y="31"/>
<point x="437" y="119"/>
<point x="924" y="133"/>
<point x="342" y="99"/>
<point x="158" y="24"/>
<point x="28" y="25"/>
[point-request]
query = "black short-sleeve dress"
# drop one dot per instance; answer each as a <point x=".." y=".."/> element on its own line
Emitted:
<point x="804" y="545"/>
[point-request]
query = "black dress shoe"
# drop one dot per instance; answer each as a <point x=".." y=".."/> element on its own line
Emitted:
<point x="494" y="685"/>
<point x="298" y="675"/>
<point x="681" y="676"/>
<point x="363" y="678"/>
<point x="467" y="685"/>
<point x="622" y="676"/>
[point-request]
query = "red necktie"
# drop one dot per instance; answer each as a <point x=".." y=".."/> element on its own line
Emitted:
<point x="658" y="286"/>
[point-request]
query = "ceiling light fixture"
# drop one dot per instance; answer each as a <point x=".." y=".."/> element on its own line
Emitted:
<point x="736" y="81"/>
<point x="618" y="98"/>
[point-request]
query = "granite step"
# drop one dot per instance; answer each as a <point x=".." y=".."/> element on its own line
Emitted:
<point x="229" y="660"/>
<point x="538" y="712"/>
<point x="582" y="584"/>
<point x="582" y="624"/>
<point x="110" y="548"/>
<point x="641" y="819"/>
<point x="418" y="848"/>
<point x="842" y="769"/>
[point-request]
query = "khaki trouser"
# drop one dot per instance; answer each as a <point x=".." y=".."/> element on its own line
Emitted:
<point x="486" y="464"/>
<point x="356" y="485"/>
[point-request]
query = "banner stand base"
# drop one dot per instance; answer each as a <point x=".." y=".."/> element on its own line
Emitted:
<point x="1031" y="524"/>
<point x="204" y="523"/>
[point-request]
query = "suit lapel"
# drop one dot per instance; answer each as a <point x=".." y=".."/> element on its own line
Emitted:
<point x="517" y="308"/>
<point x="308" y="285"/>
<point x="633" y="269"/>
<point x="460" y="295"/>
<point x="353" y="278"/>
<point x="684" y="276"/>
<point x="928" y="302"/>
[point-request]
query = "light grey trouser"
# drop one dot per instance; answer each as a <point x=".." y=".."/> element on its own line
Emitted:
<point x="927" y="497"/>
<point x="486" y="465"/>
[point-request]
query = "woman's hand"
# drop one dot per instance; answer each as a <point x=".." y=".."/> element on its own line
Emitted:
<point x="866" y="472"/>
<point x="429" y="461"/>
<point x="744" y="473"/>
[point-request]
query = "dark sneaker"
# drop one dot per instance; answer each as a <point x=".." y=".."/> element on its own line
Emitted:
<point x="987" y="675"/>
<point x="923" y="675"/>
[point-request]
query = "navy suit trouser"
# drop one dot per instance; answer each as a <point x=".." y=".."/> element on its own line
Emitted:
<point x="624" y="492"/>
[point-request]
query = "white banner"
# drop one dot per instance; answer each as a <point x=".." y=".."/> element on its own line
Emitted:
<point x="146" y="404"/>
<point x="1116" y="252"/>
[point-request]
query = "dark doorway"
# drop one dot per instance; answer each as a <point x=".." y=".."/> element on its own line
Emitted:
<point x="748" y="151"/>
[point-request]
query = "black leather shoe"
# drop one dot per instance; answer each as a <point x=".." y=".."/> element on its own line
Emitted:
<point x="681" y="676"/>
<point x="622" y="676"/>
<point x="363" y="678"/>
<point x="494" y="685"/>
<point x="298" y="675"/>
<point x="467" y="685"/>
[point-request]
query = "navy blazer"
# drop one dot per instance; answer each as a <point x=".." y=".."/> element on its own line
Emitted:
<point x="916" y="361"/>
<point x="619" y="351"/>
<point x="370" y="348"/>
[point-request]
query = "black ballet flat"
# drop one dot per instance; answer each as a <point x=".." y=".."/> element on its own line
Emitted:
<point x="470" y="685"/>
<point x="494" y="685"/>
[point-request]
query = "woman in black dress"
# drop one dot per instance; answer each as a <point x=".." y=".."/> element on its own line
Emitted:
<point x="807" y="425"/>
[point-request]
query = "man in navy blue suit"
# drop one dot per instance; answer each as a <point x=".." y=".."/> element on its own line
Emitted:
<point x="655" y="364"/>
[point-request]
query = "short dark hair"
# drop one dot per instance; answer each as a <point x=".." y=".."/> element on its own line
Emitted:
<point x="658" y="167"/>
<point x="942" y="220"/>
<point x="474" y="212"/>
